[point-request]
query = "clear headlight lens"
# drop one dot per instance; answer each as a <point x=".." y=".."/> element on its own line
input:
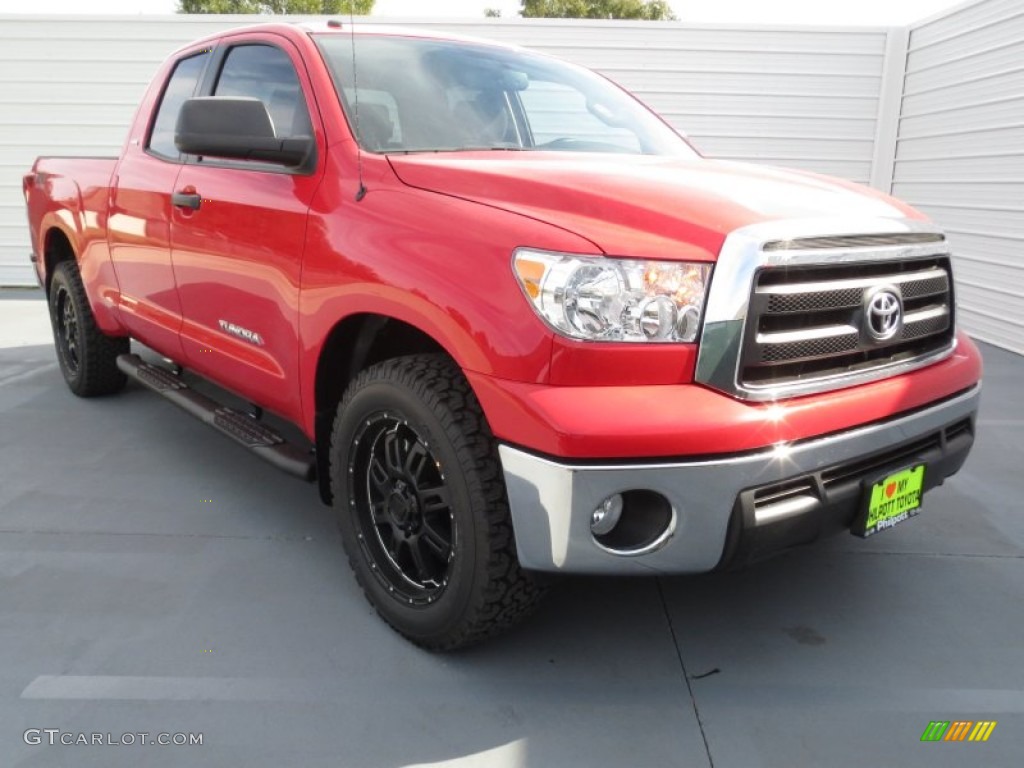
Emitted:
<point x="597" y="298"/>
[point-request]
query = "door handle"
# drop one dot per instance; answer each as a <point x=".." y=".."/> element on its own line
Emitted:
<point x="186" y="200"/>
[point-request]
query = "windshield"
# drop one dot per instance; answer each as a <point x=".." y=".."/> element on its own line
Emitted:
<point x="421" y="95"/>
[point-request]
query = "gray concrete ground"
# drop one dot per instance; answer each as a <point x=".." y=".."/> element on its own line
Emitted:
<point x="156" y="578"/>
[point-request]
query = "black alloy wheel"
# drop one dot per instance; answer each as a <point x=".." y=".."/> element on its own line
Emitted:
<point x="402" y="508"/>
<point x="66" y="331"/>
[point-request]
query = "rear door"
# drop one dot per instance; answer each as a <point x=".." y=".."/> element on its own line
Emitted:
<point x="238" y="255"/>
<point x="138" y="228"/>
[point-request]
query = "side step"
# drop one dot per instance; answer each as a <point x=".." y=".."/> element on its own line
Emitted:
<point x="254" y="435"/>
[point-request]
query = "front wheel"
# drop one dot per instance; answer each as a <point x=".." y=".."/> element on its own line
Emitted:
<point x="422" y="506"/>
<point x="87" y="356"/>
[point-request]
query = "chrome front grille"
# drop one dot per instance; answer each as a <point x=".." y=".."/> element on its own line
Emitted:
<point x="806" y="323"/>
<point x="785" y="314"/>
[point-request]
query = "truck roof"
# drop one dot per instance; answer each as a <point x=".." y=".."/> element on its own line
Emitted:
<point x="346" y="28"/>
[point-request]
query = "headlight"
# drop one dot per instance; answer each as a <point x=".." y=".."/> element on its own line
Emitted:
<point x="598" y="298"/>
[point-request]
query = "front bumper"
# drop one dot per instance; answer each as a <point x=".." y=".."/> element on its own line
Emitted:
<point x="728" y="510"/>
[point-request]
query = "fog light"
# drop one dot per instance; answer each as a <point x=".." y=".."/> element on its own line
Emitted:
<point x="606" y="516"/>
<point x="633" y="522"/>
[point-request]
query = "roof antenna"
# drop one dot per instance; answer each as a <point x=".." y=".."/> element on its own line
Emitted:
<point x="361" y="192"/>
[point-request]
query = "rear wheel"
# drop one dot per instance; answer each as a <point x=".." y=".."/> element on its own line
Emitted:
<point x="423" y="510"/>
<point x="87" y="356"/>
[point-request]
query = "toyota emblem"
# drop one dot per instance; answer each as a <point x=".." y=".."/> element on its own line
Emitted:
<point x="883" y="315"/>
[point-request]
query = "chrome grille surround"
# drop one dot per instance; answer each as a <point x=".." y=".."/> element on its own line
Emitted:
<point x="733" y="343"/>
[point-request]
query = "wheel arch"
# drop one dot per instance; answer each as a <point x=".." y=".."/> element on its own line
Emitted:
<point x="57" y="248"/>
<point x="353" y="344"/>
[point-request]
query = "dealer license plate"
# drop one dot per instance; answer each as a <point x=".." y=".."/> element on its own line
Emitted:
<point x="892" y="500"/>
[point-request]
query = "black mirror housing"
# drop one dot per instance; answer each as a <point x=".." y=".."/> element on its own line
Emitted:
<point x="238" y="129"/>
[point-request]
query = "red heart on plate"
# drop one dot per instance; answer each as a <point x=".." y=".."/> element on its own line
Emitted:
<point x="890" y="489"/>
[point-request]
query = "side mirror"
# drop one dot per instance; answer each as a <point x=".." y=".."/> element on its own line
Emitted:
<point x="236" y="128"/>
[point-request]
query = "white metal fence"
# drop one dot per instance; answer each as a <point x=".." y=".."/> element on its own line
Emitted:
<point x="823" y="99"/>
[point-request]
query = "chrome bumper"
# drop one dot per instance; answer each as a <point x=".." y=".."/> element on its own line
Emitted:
<point x="552" y="502"/>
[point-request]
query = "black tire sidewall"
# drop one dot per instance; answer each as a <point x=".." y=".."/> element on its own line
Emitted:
<point x="441" y="617"/>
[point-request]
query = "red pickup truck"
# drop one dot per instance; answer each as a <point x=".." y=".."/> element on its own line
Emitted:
<point x="522" y="325"/>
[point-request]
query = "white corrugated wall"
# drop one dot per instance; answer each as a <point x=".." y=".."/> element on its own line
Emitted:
<point x="805" y="97"/>
<point x="960" y="155"/>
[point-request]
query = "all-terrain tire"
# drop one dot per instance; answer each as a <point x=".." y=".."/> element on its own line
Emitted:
<point x="423" y="511"/>
<point x="87" y="356"/>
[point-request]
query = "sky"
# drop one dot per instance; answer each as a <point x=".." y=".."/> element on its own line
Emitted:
<point x="737" y="11"/>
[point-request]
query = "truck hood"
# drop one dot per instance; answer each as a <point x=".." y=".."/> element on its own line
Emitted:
<point x="646" y="207"/>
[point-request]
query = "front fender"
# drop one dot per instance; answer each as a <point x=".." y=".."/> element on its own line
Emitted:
<point x="437" y="263"/>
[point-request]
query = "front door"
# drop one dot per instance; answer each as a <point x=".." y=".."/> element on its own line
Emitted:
<point x="237" y="238"/>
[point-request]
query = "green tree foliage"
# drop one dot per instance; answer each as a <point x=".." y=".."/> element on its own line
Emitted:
<point x="651" y="10"/>
<point x="327" y="7"/>
<point x="492" y="13"/>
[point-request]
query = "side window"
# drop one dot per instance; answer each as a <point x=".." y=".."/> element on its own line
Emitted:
<point x="180" y="86"/>
<point x="266" y="73"/>
<point x="484" y="117"/>
<point x="556" y="111"/>
<point x="379" y="125"/>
